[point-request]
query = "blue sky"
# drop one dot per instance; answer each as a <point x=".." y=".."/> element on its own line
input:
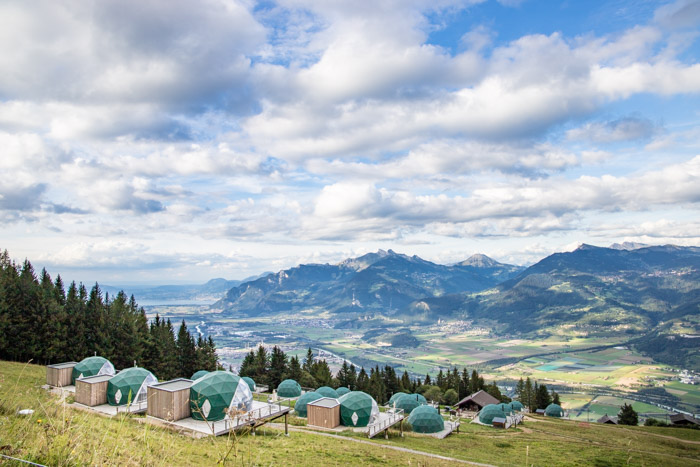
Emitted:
<point x="173" y="142"/>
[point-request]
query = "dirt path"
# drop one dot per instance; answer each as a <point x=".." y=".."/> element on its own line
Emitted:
<point x="386" y="446"/>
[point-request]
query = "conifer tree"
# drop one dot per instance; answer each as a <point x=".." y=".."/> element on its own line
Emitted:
<point x="278" y="367"/>
<point x="627" y="415"/>
<point x="464" y="385"/>
<point x="362" y="380"/>
<point x="187" y="355"/>
<point x="294" y="371"/>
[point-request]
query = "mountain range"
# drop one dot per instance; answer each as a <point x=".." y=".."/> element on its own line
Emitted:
<point x="649" y="294"/>
<point x="383" y="282"/>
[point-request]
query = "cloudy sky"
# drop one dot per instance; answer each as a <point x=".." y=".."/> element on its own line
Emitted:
<point x="176" y="141"/>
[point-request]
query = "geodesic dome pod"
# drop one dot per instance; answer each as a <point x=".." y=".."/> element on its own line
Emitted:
<point x="396" y="396"/>
<point x="420" y="398"/>
<point x="407" y="402"/>
<point x="289" y="388"/>
<point x="506" y="408"/>
<point x="426" y="419"/>
<point x="92" y="366"/>
<point x="130" y="386"/>
<point x="554" y="410"/>
<point x="214" y="395"/>
<point x="327" y="391"/>
<point x="488" y="413"/>
<point x="358" y="408"/>
<point x="517" y="406"/>
<point x="300" y="405"/>
<point x="250" y="382"/>
<point x="342" y="390"/>
<point x="199" y="374"/>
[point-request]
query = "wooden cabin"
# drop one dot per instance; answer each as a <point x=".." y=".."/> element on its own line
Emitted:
<point x="323" y="412"/>
<point x="60" y="374"/>
<point x="92" y="390"/>
<point x="499" y="422"/>
<point x="170" y="400"/>
<point x="477" y="401"/>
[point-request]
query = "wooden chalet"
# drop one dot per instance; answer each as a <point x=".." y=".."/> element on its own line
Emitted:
<point x="682" y="419"/>
<point x="477" y="401"/>
<point x="606" y="419"/>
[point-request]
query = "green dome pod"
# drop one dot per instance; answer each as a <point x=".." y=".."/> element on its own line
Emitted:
<point x="420" y="398"/>
<point x="92" y="366"/>
<point x="488" y="413"/>
<point x="300" y="405"/>
<point x="326" y="391"/>
<point x="214" y="395"/>
<point x="289" y="388"/>
<point x="554" y="410"/>
<point x="426" y="419"/>
<point x="517" y="406"/>
<point x="407" y="402"/>
<point x="342" y="390"/>
<point x="396" y="396"/>
<point x="199" y="374"/>
<point x="358" y="408"/>
<point x="250" y="382"/>
<point x="506" y="408"/>
<point x="129" y="386"/>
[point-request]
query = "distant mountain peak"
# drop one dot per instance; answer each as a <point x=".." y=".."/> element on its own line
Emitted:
<point x="480" y="260"/>
<point x="628" y="246"/>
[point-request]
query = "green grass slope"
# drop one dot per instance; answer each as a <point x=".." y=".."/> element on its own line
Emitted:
<point x="59" y="435"/>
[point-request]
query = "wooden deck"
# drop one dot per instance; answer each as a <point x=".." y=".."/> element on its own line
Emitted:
<point x="261" y="413"/>
<point x="450" y="426"/>
<point x="385" y="421"/>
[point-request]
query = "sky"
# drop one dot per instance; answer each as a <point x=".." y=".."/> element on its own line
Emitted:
<point x="166" y="142"/>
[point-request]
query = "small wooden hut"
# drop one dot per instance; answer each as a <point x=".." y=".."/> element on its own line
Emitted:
<point x="477" y="401"/>
<point x="92" y="391"/>
<point x="324" y="412"/>
<point x="170" y="400"/>
<point x="59" y="374"/>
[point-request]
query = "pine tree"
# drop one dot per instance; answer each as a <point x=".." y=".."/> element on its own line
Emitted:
<point x="187" y="354"/>
<point x="405" y="384"/>
<point x="262" y="365"/>
<point x="278" y="367"/>
<point x="555" y="398"/>
<point x="627" y="415"/>
<point x="321" y="373"/>
<point x="352" y="378"/>
<point x="464" y="385"/>
<point x="362" y="381"/>
<point x="543" y="399"/>
<point x="343" y="374"/>
<point x="520" y="390"/>
<point x="248" y="365"/>
<point x="308" y="361"/>
<point x="376" y="387"/>
<point x="294" y="371"/>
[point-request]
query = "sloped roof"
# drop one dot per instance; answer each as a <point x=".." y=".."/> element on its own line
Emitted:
<point x="480" y="398"/>
<point x="606" y="419"/>
<point x="682" y="417"/>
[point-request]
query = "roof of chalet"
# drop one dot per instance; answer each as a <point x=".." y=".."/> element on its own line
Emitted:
<point x="480" y="398"/>
<point x="682" y="417"/>
<point x="606" y="419"/>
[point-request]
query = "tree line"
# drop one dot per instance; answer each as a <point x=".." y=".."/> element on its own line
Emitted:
<point x="535" y="396"/>
<point x="42" y="322"/>
<point x="271" y="368"/>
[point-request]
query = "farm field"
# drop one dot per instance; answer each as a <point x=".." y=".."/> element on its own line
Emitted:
<point x="575" y="363"/>
<point x="59" y="435"/>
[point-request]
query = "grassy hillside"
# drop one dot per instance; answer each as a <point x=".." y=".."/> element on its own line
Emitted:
<point x="58" y="435"/>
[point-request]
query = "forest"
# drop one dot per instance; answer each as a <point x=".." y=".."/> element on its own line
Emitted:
<point x="43" y="323"/>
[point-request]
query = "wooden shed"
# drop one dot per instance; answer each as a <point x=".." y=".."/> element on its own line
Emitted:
<point x="92" y="391"/>
<point x="170" y="400"/>
<point x="59" y="375"/>
<point x="324" y="412"/>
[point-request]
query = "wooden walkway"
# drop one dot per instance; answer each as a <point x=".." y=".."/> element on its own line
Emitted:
<point x="261" y="413"/>
<point x="385" y="421"/>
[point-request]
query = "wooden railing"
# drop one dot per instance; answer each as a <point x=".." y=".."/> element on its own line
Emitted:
<point x="395" y="416"/>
